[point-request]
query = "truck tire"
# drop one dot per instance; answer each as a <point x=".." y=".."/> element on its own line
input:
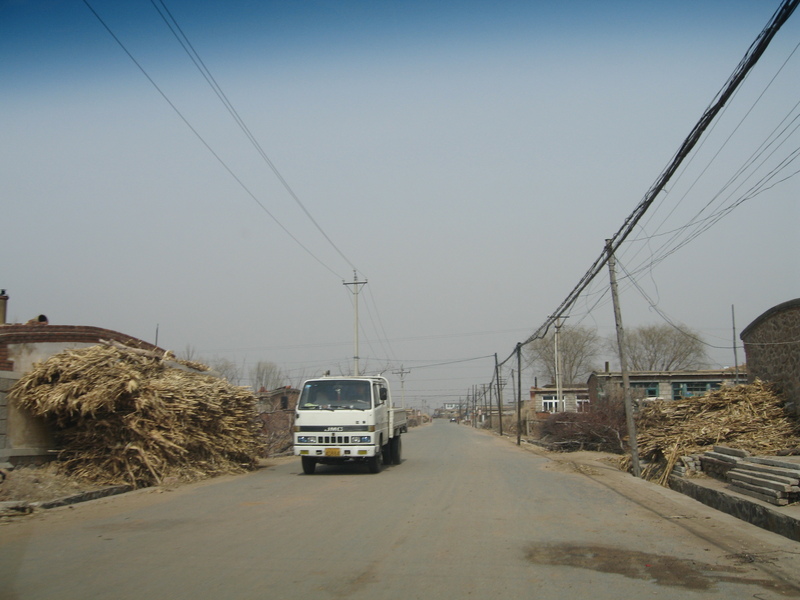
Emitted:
<point x="375" y="463"/>
<point x="386" y="453"/>
<point x="397" y="450"/>
<point x="309" y="464"/>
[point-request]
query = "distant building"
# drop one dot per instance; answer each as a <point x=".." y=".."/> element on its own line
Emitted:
<point x="661" y="385"/>
<point x="772" y="348"/>
<point x="573" y="399"/>
<point x="282" y="398"/>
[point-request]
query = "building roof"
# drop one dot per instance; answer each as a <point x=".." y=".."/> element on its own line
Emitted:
<point x="784" y="306"/>
<point x="730" y="371"/>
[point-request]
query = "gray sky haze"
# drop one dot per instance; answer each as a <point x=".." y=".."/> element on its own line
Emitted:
<point x="468" y="159"/>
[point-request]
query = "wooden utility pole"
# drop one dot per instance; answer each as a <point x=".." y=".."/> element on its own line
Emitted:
<point x="499" y="394"/>
<point x="561" y="405"/>
<point x="623" y="363"/>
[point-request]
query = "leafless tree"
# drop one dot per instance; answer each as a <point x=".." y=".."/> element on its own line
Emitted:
<point x="578" y="348"/>
<point x="266" y="375"/>
<point x="663" y="348"/>
<point x="227" y="369"/>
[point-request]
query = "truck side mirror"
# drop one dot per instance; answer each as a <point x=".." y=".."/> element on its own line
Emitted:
<point x="384" y="394"/>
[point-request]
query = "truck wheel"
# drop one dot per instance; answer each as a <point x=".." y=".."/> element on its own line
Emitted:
<point x="375" y="463"/>
<point x="386" y="453"/>
<point x="397" y="450"/>
<point x="309" y="464"/>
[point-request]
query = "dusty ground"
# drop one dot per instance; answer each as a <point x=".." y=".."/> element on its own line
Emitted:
<point x="40" y="484"/>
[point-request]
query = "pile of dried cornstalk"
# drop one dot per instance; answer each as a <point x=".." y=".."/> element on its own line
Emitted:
<point x="746" y="417"/>
<point x="124" y="415"/>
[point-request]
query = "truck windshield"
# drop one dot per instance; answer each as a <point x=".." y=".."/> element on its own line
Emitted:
<point x="335" y="395"/>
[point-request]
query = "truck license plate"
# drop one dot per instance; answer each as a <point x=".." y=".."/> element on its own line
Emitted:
<point x="332" y="452"/>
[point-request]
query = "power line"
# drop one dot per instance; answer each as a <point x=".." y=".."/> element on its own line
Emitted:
<point x="749" y="60"/>
<point x="203" y="141"/>
<point x="184" y="41"/>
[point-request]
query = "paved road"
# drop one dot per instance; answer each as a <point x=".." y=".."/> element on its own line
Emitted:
<point x="466" y="515"/>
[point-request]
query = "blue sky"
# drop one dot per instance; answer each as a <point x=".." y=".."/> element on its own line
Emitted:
<point x="467" y="158"/>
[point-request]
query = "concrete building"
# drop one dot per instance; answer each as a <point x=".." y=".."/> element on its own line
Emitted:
<point x="662" y="385"/>
<point x="772" y="348"/>
<point x="573" y="399"/>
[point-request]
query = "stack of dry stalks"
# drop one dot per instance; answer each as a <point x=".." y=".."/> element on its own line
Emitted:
<point x="123" y="415"/>
<point x="747" y="417"/>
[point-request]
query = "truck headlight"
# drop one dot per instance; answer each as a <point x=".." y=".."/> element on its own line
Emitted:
<point x="360" y="439"/>
<point x="306" y="439"/>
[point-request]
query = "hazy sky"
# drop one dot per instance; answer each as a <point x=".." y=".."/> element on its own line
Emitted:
<point x="467" y="158"/>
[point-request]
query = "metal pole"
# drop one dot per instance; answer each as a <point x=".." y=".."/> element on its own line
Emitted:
<point x="626" y="387"/>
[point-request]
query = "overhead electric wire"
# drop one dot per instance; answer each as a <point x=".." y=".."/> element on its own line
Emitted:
<point x="663" y="315"/>
<point x="750" y="58"/>
<point x="203" y="141"/>
<point x="184" y="41"/>
<point x="742" y="169"/>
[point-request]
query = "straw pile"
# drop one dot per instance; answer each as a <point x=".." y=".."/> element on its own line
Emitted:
<point x="746" y="417"/>
<point x="123" y="415"/>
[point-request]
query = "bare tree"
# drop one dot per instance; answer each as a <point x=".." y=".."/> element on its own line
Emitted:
<point x="266" y="375"/>
<point x="227" y="369"/>
<point x="664" y="348"/>
<point x="578" y="347"/>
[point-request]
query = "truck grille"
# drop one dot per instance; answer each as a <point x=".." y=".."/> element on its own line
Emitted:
<point x="333" y="439"/>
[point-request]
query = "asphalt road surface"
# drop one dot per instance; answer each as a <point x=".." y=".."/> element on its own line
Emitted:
<point x="466" y="515"/>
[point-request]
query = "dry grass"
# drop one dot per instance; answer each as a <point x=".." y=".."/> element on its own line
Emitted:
<point x="746" y="417"/>
<point x="122" y="415"/>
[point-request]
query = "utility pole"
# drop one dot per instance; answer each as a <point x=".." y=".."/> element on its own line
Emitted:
<point x="486" y="404"/>
<point x="623" y="362"/>
<point x="519" y="393"/>
<point x="499" y="394"/>
<point x="402" y="372"/>
<point x="355" y="283"/>
<point x="474" y="406"/>
<point x="559" y="391"/>
<point x="735" y="352"/>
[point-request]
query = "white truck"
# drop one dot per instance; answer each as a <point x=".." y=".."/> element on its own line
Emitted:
<point x="341" y="419"/>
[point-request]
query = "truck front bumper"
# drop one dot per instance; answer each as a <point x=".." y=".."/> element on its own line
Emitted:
<point x="322" y="451"/>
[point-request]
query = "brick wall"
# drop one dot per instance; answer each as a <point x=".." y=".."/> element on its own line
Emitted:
<point x="772" y="347"/>
<point x="12" y="445"/>
<point x="37" y="333"/>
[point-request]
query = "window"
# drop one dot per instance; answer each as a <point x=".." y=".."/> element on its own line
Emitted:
<point x="549" y="404"/>
<point x="645" y="389"/>
<point x="582" y="402"/>
<point x="689" y="389"/>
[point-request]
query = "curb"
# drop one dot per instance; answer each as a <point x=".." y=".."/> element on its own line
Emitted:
<point x="21" y="507"/>
<point x="754" y="513"/>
